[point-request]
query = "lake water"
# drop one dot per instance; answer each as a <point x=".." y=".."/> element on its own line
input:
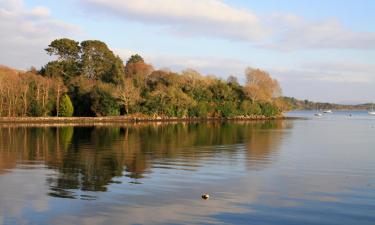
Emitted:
<point x="301" y="171"/>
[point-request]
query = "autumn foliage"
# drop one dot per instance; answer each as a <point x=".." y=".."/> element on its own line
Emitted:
<point x="260" y="86"/>
<point x="88" y="79"/>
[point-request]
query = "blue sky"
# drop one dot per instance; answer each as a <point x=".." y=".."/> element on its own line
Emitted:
<point x="319" y="50"/>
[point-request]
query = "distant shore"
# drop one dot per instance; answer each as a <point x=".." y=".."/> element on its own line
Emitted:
<point x="125" y="119"/>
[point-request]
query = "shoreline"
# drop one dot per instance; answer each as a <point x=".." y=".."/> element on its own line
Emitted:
<point x="125" y="119"/>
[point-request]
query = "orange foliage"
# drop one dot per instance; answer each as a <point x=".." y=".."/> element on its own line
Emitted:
<point x="138" y="69"/>
<point x="260" y="86"/>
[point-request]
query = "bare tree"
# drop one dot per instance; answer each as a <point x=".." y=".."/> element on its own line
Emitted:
<point x="1" y="95"/>
<point x="59" y="90"/>
<point x="128" y="94"/>
<point x="24" y="94"/>
<point x="45" y="96"/>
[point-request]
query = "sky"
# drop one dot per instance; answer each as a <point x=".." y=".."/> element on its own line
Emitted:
<point x="318" y="50"/>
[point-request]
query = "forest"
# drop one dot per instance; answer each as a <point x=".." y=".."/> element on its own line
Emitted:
<point x="87" y="79"/>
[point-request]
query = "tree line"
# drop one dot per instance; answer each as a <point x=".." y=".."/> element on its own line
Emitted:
<point x="87" y="79"/>
<point x="291" y="103"/>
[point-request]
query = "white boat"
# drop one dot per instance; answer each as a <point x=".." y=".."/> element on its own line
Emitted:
<point x="318" y="113"/>
<point x="328" y="111"/>
<point x="372" y="112"/>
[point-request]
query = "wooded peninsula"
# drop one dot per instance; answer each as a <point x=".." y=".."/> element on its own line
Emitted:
<point x="86" y="79"/>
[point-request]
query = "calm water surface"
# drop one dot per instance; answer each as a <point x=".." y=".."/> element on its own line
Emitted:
<point x="303" y="171"/>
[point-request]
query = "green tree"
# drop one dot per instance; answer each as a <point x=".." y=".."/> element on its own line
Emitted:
<point x="227" y="109"/>
<point x="66" y="107"/>
<point x="99" y="85"/>
<point x="103" y="103"/>
<point x="200" y="110"/>
<point x="35" y="109"/>
<point x="68" y="63"/>
<point x="269" y="109"/>
<point x="249" y="108"/>
<point x="134" y="59"/>
<point x="221" y="91"/>
<point x="64" y="69"/>
<point x="116" y="73"/>
<point x="65" y="49"/>
<point x="99" y="62"/>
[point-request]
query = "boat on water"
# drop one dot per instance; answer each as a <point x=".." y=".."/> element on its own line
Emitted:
<point x="327" y="111"/>
<point x="372" y="111"/>
<point x="318" y="113"/>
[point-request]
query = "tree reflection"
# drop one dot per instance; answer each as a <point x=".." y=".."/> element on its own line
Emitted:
<point x="89" y="158"/>
<point x="262" y="140"/>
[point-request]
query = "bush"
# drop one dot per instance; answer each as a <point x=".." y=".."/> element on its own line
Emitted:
<point x="199" y="110"/>
<point x="227" y="109"/>
<point x="35" y="109"/>
<point x="269" y="109"/>
<point x="103" y="103"/>
<point x="249" y="108"/>
<point x="202" y="109"/>
<point x="66" y="107"/>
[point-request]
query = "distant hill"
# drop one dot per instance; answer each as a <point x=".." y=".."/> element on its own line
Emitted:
<point x="295" y="104"/>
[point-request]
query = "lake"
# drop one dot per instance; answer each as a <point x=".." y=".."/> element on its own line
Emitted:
<point x="300" y="171"/>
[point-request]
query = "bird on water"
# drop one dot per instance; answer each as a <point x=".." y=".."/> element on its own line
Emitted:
<point x="205" y="196"/>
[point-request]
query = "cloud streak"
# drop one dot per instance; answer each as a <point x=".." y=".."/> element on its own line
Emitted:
<point x="188" y="17"/>
<point x="331" y="72"/>
<point x="294" y="32"/>
<point x="216" y="19"/>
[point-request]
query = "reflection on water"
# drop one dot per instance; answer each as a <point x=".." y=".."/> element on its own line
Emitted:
<point x="270" y="172"/>
<point x="88" y="158"/>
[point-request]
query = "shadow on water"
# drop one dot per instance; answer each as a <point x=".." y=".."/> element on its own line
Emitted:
<point x="87" y="159"/>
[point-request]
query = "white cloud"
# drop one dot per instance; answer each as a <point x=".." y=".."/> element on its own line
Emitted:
<point x="216" y="19"/>
<point x="340" y="72"/>
<point x="332" y="72"/>
<point x="188" y="17"/>
<point x="26" y="32"/>
<point x="344" y="79"/>
<point x="341" y="67"/>
<point x="294" y="32"/>
<point x="11" y="4"/>
<point x="328" y="81"/>
<point x="40" y="12"/>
